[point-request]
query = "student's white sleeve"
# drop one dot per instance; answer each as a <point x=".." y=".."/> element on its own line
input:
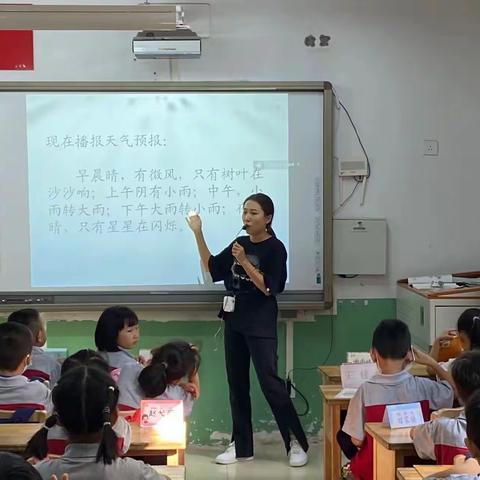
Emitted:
<point x="55" y="374"/>
<point x="123" y="430"/>
<point x="130" y="391"/>
<point x="150" y="473"/>
<point x="138" y="469"/>
<point x="47" y="402"/>
<point x="188" y="402"/>
<point x="355" y="420"/>
<point x="439" y="394"/>
<point x="177" y="392"/>
<point x="423" y="440"/>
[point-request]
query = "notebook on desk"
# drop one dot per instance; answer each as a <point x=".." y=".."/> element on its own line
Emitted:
<point x="346" y="393"/>
<point x="353" y="375"/>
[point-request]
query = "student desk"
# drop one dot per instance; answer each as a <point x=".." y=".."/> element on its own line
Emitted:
<point x="331" y="373"/>
<point x="331" y="416"/>
<point x="408" y="474"/>
<point x="390" y="447"/>
<point x="420" y="471"/>
<point x="331" y="425"/>
<point x="145" y="442"/>
<point x="428" y="470"/>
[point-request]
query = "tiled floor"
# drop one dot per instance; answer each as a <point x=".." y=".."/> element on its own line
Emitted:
<point x="270" y="463"/>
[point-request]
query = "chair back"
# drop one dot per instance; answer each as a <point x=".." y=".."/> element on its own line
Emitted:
<point x="33" y="374"/>
<point x="23" y="415"/>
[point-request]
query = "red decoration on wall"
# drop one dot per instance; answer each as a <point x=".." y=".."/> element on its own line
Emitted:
<point x="16" y="50"/>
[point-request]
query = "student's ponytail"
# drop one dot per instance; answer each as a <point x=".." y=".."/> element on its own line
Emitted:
<point x="475" y="333"/>
<point x="85" y="400"/>
<point x="169" y="364"/>
<point x="107" y="450"/>
<point x="153" y="379"/>
<point x="37" y="446"/>
<point x="469" y="324"/>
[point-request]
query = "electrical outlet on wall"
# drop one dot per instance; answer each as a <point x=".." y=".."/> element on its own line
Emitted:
<point x="430" y="148"/>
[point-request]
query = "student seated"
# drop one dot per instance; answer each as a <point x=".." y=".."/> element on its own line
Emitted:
<point x="57" y="438"/>
<point x="16" y="391"/>
<point x="14" y="467"/>
<point x="468" y="331"/>
<point x="444" y="438"/>
<point x="392" y="352"/>
<point x="42" y="365"/>
<point x="162" y="377"/>
<point x="468" y="469"/>
<point x="117" y="331"/>
<point x="85" y="401"/>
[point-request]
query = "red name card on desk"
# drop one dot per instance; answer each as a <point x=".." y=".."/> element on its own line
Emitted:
<point x="165" y="417"/>
<point x="16" y="50"/>
<point x="161" y="412"/>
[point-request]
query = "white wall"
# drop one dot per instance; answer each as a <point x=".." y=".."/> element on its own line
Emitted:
<point x="408" y="70"/>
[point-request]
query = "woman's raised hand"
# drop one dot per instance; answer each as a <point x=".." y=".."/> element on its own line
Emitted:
<point x="194" y="222"/>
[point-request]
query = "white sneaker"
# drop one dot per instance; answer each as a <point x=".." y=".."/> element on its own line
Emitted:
<point x="229" y="456"/>
<point x="297" y="456"/>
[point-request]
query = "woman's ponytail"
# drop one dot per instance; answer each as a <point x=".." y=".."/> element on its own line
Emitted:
<point x="37" y="446"/>
<point x="469" y="324"/>
<point x="270" y="231"/>
<point x="107" y="450"/>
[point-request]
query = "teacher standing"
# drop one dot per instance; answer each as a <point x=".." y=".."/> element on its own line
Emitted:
<point x="254" y="271"/>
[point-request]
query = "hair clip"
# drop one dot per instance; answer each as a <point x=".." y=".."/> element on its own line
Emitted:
<point x="107" y="423"/>
<point x="111" y="388"/>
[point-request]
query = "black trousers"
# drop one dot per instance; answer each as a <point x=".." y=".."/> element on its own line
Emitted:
<point x="239" y="349"/>
<point x="346" y="444"/>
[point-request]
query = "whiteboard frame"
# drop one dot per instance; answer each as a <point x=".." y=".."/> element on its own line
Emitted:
<point x="184" y="300"/>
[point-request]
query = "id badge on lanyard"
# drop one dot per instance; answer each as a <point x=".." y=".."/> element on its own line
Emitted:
<point x="228" y="303"/>
<point x="229" y="300"/>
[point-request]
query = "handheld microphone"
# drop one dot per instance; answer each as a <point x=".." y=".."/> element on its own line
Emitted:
<point x="244" y="227"/>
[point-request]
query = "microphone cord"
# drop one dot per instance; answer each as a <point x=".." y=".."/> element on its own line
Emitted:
<point x="291" y="386"/>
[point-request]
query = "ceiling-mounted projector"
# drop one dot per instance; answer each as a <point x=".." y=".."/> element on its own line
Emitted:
<point x="179" y="43"/>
